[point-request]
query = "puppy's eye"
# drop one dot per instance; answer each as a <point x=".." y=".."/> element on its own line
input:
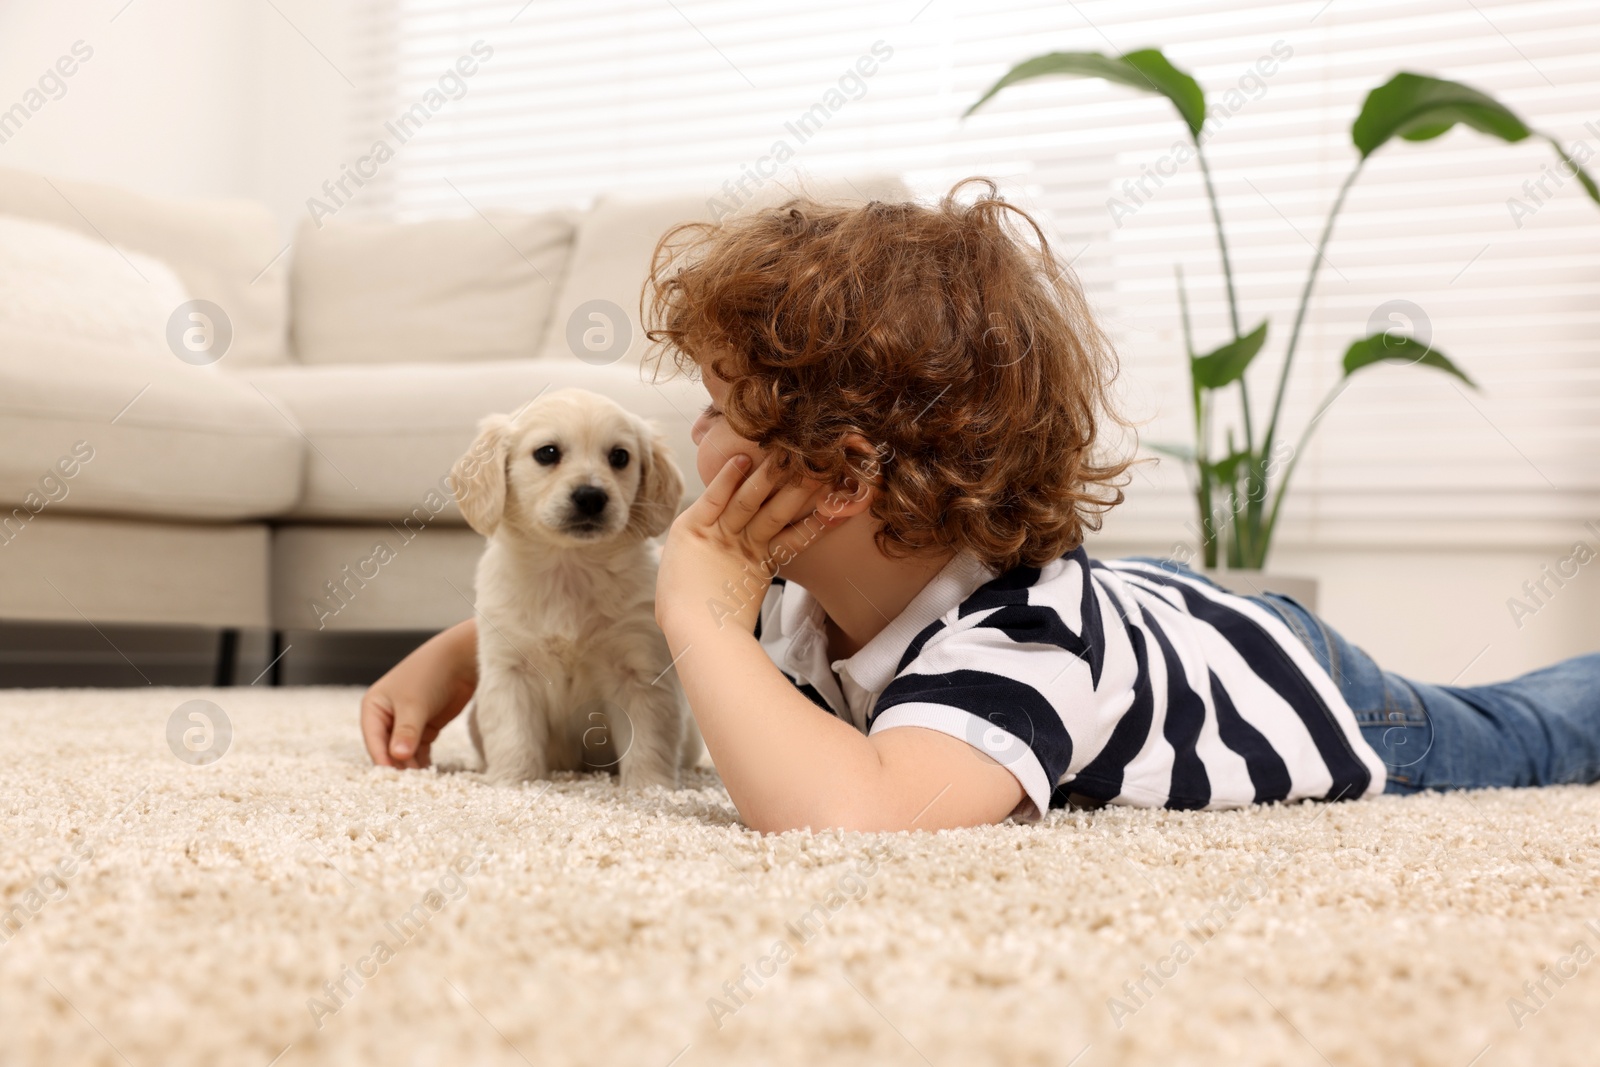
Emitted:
<point x="619" y="458"/>
<point x="547" y="455"/>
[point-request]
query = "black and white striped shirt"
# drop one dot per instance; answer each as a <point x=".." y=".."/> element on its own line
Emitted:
<point x="1124" y="682"/>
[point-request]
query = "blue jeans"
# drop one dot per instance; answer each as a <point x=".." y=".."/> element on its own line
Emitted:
<point x="1540" y="729"/>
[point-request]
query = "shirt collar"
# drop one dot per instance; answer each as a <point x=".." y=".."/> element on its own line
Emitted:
<point x="873" y="666"/>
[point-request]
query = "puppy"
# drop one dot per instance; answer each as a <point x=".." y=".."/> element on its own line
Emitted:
<point x="572" y="669"/>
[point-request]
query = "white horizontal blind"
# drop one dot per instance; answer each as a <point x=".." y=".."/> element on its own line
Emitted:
<point x="641" y="96"/>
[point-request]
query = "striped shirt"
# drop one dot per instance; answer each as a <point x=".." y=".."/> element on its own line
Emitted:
<point x="1126" y="682"/>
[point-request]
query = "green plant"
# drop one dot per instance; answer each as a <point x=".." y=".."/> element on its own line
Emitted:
<point x="1239" y="495"/>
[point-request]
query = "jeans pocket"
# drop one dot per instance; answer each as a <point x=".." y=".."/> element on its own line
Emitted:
<point x="1384" y="699"/>
<point x="1388" y="709"/>
<point x="1400" y="731"/>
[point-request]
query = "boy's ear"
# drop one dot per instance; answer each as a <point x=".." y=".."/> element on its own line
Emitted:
<point x="655" y="505"/>
<point x="478" y="478"/>
<point x="859" y="490"/>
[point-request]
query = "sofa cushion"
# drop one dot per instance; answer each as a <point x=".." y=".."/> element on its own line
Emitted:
<point x="55" y="280"/>
<point x="224" y="251"/>
<point x="165" y="442"/>
<point x="98" y="413"/>
<point x="444" y="290"/>
<point x="611" y="260"/>
<point x="383" y="438"/>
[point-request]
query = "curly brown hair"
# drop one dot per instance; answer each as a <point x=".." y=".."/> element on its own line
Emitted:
<point x="967" y="354"/>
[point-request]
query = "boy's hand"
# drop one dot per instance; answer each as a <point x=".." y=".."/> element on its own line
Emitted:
<point x="739" y="531"/>
<point x="402" y="712"/>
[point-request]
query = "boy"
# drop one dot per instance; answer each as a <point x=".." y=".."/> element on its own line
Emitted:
<point x="880" y="608"/>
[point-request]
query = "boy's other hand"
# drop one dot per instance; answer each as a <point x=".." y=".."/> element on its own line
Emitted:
<point x="402" y="712"/>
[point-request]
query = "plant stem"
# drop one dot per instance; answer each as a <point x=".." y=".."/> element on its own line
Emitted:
<point x="1243" y="536"/>
<point x="1202" y="455"/>
<point x="1222" y="242"/>
<point x="1305" y="302"/>
<point x="1258" y="465"/>
<point x="1235" y="546"/>
<point x="1299" y="450"/>
<point x="1227" y="278"/>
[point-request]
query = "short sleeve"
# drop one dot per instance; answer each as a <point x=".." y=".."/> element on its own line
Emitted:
<point x="978" y="685"/>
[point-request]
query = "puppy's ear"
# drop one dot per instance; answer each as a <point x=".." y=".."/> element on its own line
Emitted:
<point x="479" y="478"/>
<point x="660" y="485"/>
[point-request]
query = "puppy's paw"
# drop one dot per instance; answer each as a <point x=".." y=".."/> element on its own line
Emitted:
<point x="640" y="777"/>
<point x="457" y="766"/>
<point x="511" y="776"/>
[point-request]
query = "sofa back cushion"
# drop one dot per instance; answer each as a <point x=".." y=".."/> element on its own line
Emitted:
<point x="58" y="283"/>
<point x="444" y="290"/>
<point x="224" y="251"/>
<point x="94" y="367"/>
<point x="611" y="260"/>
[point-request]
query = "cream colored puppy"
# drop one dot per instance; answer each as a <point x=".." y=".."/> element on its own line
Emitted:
<point x="572" y="669"/>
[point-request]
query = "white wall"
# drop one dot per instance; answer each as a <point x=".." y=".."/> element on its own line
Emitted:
<point x="1442" y="616"/>
<point x="184" y="97"/>
<point x="201" y="98"/>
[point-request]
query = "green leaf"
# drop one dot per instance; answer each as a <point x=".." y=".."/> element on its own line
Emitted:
<point x="1146" y="69"/>
<point x="1416" y="107"/>
<point x="1419" y="108"/>
<point x="1227" y="364"/>
<point x="1183" y="452"/>
<point x="1226" y="469"/>
<point x="1396" y="347"/>
<point x="1583" y="177"/>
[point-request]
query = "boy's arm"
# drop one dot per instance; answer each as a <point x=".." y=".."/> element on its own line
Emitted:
<point x="789" y="764"/>
<point x="786" y="762"/>
<point x="402" y="712"/>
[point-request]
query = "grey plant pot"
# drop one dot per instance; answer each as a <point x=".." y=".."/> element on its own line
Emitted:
<point x="1255" y="583"/>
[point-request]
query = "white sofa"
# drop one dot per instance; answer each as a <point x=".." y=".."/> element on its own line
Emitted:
<point x="298" y="481"/>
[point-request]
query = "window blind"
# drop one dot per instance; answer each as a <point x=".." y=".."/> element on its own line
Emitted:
<point x="1492" y="251"/>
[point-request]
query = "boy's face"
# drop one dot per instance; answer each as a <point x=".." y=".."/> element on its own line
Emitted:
<point x="716" y="444"/>
<point x="714" y="441"/>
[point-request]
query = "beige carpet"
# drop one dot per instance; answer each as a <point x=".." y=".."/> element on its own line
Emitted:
<point x="163" y="913"/>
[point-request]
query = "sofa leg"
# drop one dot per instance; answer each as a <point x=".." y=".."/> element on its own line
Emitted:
<point x="276" y="650"/>
<point x="227" y="656"/>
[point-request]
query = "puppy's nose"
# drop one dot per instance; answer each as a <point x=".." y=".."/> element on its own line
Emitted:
<point x="589" y="500"/>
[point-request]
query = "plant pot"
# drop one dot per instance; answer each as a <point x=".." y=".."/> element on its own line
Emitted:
<point x="1255" y="583"/>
